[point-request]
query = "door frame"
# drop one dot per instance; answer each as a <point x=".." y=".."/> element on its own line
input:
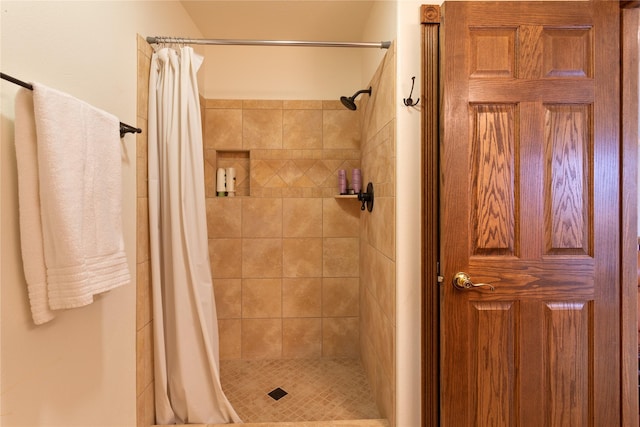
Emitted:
<point x="630" y="23"/>
<point x="431" y="21"/>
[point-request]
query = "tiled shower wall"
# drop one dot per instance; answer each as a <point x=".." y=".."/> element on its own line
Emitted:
<point x="284" y="252"/>
<point x="378" y="238"/>
<point x="144" y="315"/>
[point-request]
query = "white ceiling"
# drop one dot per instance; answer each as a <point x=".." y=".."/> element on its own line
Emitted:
<point x="318" y="20"/>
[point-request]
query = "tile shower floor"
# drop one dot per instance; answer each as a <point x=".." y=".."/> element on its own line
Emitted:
<point x="317" y="389"/>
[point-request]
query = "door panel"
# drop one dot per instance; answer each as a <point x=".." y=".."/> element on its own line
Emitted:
<point x="493" y="333"/>
<point x="493" y="179"/>
<point x="529" y="204"/>
<point x="567" y="181"/>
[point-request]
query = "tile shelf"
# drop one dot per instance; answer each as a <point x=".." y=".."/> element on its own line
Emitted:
<point x="365" y="197"/>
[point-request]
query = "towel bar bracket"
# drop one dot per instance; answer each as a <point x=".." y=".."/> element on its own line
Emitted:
<point x="125" y="129"/>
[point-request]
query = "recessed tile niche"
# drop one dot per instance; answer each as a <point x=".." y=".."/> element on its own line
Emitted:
<point x="240" y="161"/>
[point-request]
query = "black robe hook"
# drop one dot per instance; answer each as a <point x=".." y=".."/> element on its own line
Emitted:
<point x="408" y="101"/>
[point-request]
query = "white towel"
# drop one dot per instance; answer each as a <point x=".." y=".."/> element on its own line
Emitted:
<point x="79" y="166"/>
<point x="29" y="200"/>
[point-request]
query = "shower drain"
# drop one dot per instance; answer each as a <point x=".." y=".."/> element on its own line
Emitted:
<point x="277" y="393"/>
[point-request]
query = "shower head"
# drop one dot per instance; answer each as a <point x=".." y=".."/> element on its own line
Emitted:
<point x="350" y="102"/>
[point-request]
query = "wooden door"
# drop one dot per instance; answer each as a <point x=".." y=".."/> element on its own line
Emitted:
<point x="530" y="169"/>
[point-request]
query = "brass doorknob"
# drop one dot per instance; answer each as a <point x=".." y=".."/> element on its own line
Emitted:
<point x="462" y="281"/>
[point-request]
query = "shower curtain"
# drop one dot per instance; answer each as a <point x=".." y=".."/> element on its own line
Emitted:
<point x="187" y="375"/>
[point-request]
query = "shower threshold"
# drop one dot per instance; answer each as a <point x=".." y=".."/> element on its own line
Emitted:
<point x="341" y="423"/>
<point x="338" y="423"/>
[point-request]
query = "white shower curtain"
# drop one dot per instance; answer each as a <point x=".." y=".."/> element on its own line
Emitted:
<point x="187" y="375"/>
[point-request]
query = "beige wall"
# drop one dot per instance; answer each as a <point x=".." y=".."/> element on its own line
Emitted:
<point x="78" y="370"/>
<point x="291" y="73"/>
<point x="408" y="216"/>
<point x="295" y="73"/>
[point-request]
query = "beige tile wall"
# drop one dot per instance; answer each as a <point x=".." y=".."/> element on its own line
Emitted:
<point x="144" y="316"/>
<point x="284" y="252"/>
<point x="377" y="244"/>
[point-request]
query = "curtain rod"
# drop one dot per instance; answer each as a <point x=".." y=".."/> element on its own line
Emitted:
<point x="236" y="42"/>
<point x="124" y="128"/>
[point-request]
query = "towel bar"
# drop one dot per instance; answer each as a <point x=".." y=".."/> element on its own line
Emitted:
<point x="124" y="128"/>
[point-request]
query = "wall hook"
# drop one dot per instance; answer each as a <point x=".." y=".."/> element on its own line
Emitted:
<point x="408" y="101"/>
